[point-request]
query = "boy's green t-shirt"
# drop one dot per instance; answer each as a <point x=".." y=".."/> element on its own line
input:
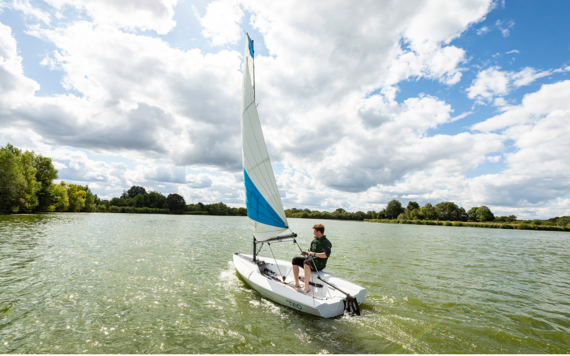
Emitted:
<point x="318" y="246"/>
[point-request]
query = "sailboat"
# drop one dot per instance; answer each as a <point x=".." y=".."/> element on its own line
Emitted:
<point x="329" y="296"/>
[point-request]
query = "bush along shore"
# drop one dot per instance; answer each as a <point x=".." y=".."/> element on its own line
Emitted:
<point x="519" y="225"/>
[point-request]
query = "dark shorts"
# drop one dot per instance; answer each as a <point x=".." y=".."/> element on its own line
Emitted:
<point x="301" y="261"/>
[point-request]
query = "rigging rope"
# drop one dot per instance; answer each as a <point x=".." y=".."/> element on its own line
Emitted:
<point x="311" y="277"/>
<point x="277" y="264"/>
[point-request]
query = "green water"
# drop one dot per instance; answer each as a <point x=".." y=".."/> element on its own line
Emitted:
<point x="126" y="283"/>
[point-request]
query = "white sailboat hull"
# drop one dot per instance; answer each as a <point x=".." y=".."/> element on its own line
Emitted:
<point x="322" y="300"/>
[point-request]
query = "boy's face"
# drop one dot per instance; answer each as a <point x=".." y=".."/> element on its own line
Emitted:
<point x="317" y="234"/>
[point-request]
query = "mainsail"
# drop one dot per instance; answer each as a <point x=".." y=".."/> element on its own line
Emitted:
<point x="264" y="206"/>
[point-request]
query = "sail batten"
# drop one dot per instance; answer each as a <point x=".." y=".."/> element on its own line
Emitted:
<point x="264" y="205"/>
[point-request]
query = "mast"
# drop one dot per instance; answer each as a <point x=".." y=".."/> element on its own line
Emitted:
<point x="264" y="206"/>
<point x="253" y="65"/>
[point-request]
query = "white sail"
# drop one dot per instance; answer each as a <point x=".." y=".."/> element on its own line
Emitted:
<point x="264" y="206"/>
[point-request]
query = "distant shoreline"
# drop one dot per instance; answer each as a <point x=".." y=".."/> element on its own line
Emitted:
<point x="483" y="225"/>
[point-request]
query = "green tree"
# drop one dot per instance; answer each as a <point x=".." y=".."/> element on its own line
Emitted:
<point x="241" y="211"/>
<point x="412" y="205"/>
<point x="45" y="174"/>
<point x="472" y="214"/>
<point x="76" y="197"/>
<point x="29" y="200"/>
<point x="447" y="211"/>
<point x="135" y="190"/>
<point x="563" y="221"/>
<point x="60" y="198"/>
<point x="415" y="214"/>
<point x="105" y="203"/>
<point x="484" y="214"/>
<point x="140" y="200"/>
<point x="118" y="202"/>
<point x="89" y="199"/>
<point x="393" y="209"/>
<point x="25" y="184"/>
<point x="131" y="202"/>
<point x="463" y="216"/>
<point x="175" y="203"/>
<point x="428" y="212"/>
<point x="12" y="181"/>
<point x="156" y="200"/>
<point x="359" y="215"/>
<point x="26" y="181"/>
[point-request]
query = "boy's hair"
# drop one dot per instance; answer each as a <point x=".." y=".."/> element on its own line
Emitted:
<point x="319" y="227"/>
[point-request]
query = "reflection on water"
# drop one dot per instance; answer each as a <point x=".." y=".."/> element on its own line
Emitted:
<point x="125" y="283"/>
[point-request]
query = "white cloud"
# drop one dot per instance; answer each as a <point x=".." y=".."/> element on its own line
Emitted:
<point x="483" y="30"/>
<point x="537" y="170"/>
<point x="75" y="166"/>
<point x="15" y="87"/>
<point x="493" y="82"/>
<point x="513" y="51"/>
<point x="430" y="61"/>
<point x="161" y="173"/>
<point x="140" y="96"/>
<point x="550" y="98"/>
<point x="489" y="82"/>
<point x="29" y="11"/>
<point x="128" y="14"/>
<point x="494" y="159"/>
<point x="208" y="189"/>
<point x="221" y="22"/>
<point x="201" y="180"/>
<point x="504" y="27"/>
<point x="49" y="62"/>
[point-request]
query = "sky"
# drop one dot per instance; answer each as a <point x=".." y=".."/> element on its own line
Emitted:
<point x="360" y="102"/>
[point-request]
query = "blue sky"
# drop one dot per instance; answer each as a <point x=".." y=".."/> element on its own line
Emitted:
<point x="360" y="105"/>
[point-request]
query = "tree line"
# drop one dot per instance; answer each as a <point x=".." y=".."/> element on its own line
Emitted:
<point x="215" y="209"/>
<point x="137" y="200"/>
<point x="444" y="211"/>
<point x="26" y="185"/>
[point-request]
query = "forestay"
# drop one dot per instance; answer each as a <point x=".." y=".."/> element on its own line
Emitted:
<point x="264" y="206"/>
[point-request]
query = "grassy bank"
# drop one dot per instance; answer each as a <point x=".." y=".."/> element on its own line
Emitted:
<point x="487" y="225"/>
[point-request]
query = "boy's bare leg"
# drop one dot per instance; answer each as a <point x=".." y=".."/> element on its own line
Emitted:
<point x="307" y="271"/>
<point x="296" y="275"/>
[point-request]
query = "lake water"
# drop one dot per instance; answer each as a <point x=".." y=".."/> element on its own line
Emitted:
<point x="127" y="283"/>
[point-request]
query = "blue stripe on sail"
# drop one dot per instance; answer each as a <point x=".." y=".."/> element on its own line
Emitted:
<point x="258" y="208"/>
<point x="250" y="45"/>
